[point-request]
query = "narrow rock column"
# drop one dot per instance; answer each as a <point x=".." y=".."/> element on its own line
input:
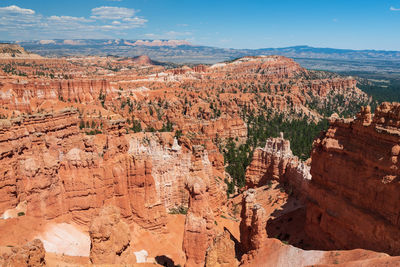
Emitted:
<point x="199" y="225"/>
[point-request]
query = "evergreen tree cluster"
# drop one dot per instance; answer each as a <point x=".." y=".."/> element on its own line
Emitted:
<point x="300" y="132"/>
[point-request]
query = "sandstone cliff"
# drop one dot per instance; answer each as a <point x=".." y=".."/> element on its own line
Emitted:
<point x="354" y="190"/>
<point x="58" y="171"/>
<point x="276" y="162"/>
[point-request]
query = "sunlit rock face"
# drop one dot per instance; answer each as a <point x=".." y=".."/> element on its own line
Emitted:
<point x="354" y="194"/>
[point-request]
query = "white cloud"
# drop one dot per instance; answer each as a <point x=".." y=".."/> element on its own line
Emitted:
<point x="14" y="18"/>
<point x="107" y="27"/>
<point x="21" y="23"/>
<point x="394" y="9"/>
<point x="16" y="9"/>
<point x="68" y="19"/>
<point x="112" y="12"/>
<point x="122" y="18"/>
<point x="135" y="20"/>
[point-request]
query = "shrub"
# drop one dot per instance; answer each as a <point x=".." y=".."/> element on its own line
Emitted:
<point x="178" y="210"/>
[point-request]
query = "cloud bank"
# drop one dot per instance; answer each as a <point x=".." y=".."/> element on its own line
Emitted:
<point x="104" y="21"/>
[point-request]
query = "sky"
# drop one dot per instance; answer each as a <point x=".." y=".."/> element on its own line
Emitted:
<point x="352" y="24"/>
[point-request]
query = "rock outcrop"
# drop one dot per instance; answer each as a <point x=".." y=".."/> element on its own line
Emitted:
<point x="110" y="238"/>
<point x="354" y="189"/>
<point x="58" y="171"/>
<point x="199" y="225"/>
<point x="15" y="51"/>
<point x="222" y="252"/>
<point x="276" y="162"/>
<point x="27" y="95"/>
<point x="173" y="164"/>
<point x="30" y="255"/>
<point x="253" y="232"/>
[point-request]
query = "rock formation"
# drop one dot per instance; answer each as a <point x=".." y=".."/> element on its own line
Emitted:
<point x="14" y="51"/>
<point x="47" y="160"/>
<point x="222" y="252"/>
<point x="277" y="162"/>
<point x="29" y="255"/>
<point x="253" y="224"/>
<point x="199" y="225"/>
<point x="78" y="134"/>
<point x="110" y="238"/>
<point x="354" y="190"/>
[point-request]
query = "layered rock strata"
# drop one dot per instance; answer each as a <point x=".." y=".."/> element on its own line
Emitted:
<point x="57" y="171"/>
<point x="276" y="162"/>
<point x="253" y="232"/>
<point x="199" y="224"/>
<point x="354" y="194"/>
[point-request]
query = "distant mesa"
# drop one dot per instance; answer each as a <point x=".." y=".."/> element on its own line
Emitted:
<point x="119" y="42"/>
<point x="44" y="42"/>
<point x="172" y="43"/>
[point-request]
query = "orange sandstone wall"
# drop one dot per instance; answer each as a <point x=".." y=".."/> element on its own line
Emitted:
<point x="354" y="196"/>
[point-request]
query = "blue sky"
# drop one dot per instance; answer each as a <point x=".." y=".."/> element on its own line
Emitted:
<point x="232" y="24"/>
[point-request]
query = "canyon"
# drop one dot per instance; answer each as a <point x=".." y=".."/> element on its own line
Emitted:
<point x="108" y="160"/>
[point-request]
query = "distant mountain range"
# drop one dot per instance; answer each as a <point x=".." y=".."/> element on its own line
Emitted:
<point x="178" y="51"/>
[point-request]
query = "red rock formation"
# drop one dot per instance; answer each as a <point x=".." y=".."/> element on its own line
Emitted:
<point x="29" y="95"/>
<point x="199" y="225"/>
<point x="353" y="200"/>
<point x="29" y="255"/>
<point x="262" y="251"/>
<point x="173" y="164"/>
<point x="276" y="66"/>
<point x="253" y="232"/>
<point x="59" y="172"/>
<point x="276" y="253"/>
<point x="199" y="68"/>
<point x="269" y="163"/>
<point x="110" y="238"/>
<point x="277" y="162"/>
<point x="221" y="253"/>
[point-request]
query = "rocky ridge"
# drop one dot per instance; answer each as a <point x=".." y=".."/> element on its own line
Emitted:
<point x="14" y="51"/>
